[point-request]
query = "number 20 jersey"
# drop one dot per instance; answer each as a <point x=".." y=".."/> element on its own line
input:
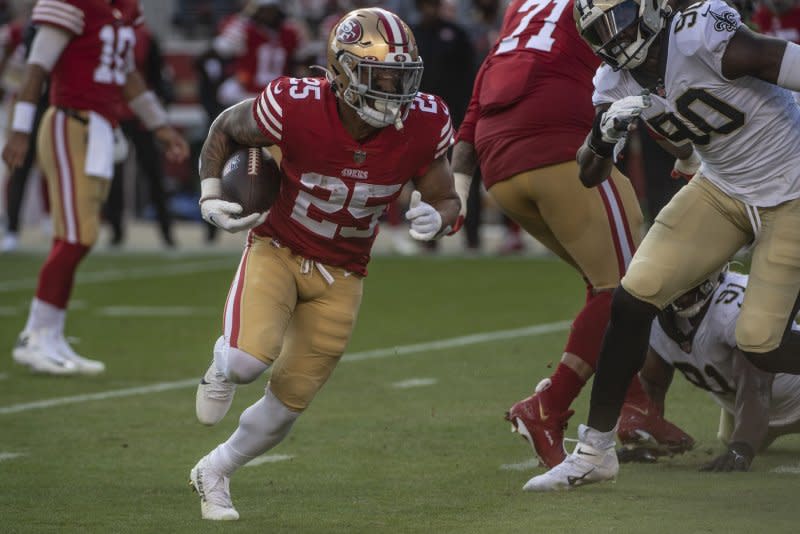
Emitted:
<point x="335" y="188"/>
<point x="94" y="65"/>
<point x="746" y="131"/>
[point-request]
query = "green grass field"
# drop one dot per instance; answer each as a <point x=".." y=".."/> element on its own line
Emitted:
<point x="368" y="456"/>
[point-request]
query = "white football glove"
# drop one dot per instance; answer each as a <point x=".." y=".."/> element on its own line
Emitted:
<point x="620" y="115"/>
<point x="222" y="213"/>
<point x="425" y="220"/>
<point x="686" y="168"/>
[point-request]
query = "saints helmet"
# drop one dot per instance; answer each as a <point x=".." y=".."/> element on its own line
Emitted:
<point x="621" y="31"/>
<point x="693" y="301"/>
<point x="374" y="65"/>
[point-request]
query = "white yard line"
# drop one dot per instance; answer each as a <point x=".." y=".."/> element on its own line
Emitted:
<point x="400" y="350"/>
<point x="463" y="341"/>
<point x="414" y="383"/>
<point x="136" y="273"/>
<point x="521" y="466"/>
<point x="10" y="455"/>
<point x="787" y="470"/>
<point x="268" y="459"/>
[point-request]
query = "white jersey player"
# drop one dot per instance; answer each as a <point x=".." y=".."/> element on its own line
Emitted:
<point x="714" y="85"/>
<point x="695" y="335"/>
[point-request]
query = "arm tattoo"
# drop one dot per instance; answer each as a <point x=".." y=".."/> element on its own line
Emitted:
<point x="235" y="127"/>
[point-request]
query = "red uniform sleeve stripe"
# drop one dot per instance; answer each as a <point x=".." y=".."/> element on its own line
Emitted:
<point x="59" y="14"/>
<point x="446" y="139"/>
<point x="261" y="121"/>
<point x="272" y="102"/>
<point x="271" y="121"/>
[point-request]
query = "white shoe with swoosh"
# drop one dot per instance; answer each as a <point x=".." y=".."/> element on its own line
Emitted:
<point x="586" y="465"/>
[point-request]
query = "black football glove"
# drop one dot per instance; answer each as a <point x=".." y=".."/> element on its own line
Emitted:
<point x="738" y="457"/>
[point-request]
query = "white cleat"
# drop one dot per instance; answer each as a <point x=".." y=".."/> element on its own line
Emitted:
<point x="586" y="465"/>
<point x="214" y="491"/>
<point x="214" y="396"/>
<point x="85" y="365"/>
<point x="36" y="350"/>
<point x="10" y="243"/>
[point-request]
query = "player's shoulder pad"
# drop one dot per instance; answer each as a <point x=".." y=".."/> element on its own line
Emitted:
<point x="430" y="117"/>
<point x="268" y="107"/>
<point x="704" y="28"/>
<point x="608" y="85"/>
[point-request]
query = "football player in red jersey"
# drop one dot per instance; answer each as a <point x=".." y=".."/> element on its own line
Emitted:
<point x="349" y="141"/>
<point x="263" y="46"/>
<point x="84" y="46"/>
<point x="530" y="110"/>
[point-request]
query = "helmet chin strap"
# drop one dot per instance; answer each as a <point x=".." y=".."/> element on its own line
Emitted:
<point x="380" y="118"/>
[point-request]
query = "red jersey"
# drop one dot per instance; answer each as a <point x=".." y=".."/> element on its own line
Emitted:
<point x="785" y="26"/>
<point x="531" y="103"/>
<point x="262" y="54"/>
<point x="335" y="188"/>
<point x="94" y="65"/>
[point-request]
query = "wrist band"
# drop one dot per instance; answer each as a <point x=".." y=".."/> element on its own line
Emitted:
<point x="789" y="75"/>
<point x="24" y="115"/>
<point x="210" y="188"/>
<point x="149" y="110"/>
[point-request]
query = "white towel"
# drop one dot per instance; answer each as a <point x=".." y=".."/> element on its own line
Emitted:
<point x="100" y="147"/>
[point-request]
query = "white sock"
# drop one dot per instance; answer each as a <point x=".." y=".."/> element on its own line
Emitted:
<point x="45" y="316"/>
<point x="595" y="438"/>
<point x="220" y="354"/>
<point x="261" y="427"/>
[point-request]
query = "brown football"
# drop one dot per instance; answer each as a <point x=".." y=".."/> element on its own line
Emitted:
<point x="251" y="180"/>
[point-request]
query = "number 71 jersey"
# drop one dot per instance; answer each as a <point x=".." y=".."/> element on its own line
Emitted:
<point x="94" y="65"/>
<point x="334" y="188"/>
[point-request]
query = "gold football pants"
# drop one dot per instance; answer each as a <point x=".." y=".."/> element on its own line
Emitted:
<point x="293" y="313"/>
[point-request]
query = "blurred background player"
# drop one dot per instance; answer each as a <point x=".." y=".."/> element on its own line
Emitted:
<point x="696" y="335"/>
<point x="15" y="40"/>
<point x="254" y="47"/>
<point x="86" y="49"/>
<point x="148" y="60"/>
<point x="530" y="111"/>
<point x="262" y="46"/>
<point x="350" y="142"/>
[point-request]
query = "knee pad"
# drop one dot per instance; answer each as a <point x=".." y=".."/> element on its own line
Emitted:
<point x="239" y="367"/>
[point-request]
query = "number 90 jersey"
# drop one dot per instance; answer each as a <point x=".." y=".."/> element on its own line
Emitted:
<point x="335" y="188"/>
<point x="733" y="124"/>
<point x="96" y="61"/>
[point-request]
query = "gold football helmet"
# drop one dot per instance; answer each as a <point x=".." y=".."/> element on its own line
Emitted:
<point x="621" y="31"/>
<point x="374" y="65"/>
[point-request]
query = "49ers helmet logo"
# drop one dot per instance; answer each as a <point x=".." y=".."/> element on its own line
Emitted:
<point x="349" y="31"/>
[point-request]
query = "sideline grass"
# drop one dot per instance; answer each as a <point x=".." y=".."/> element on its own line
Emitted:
<point x="367" y="457"/>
